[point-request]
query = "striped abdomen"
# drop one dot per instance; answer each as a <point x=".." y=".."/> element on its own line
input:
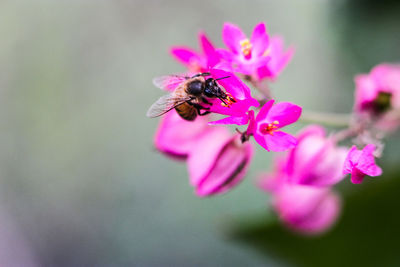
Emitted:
<point x="186" y="111"/>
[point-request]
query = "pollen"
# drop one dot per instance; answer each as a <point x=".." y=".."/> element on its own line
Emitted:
<point x="228" y="100"/>
<point x="269" y="128"/>
<point x="246" y="47"/>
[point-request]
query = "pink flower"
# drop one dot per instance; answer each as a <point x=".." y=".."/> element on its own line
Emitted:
<point x="378" y="91"/>
<point x="175" y="136"/>
<point x="217" y="162"/>
<point x="279" y="59"/>
<point x="194" y="61"/>
<point x="265" y="127"/>
<point x="316" y="160"/>
<point x="360" y="163"/>
<point x="234" y="87"/>
<point x="245" y="55"/>
<point x="306" y="209"/>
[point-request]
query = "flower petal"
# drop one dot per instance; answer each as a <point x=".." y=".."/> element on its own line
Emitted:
<point x="176" y="136"/>
<point x="357" y="176"/>
<point x="185" y="55"/>
<point x="229" y="169"/>
<point x="232" y="85"/>
<point x="259" y="40"/>
<point x="366" y="164"/>
<point x="204" y="153"/>
<point x="352" y="156"/>
<point x="231" y="120"/>
<point x="218" y="161"/>
<point x="232" y="35"/>
<point x="206" y="46"/>
<point x="209" y="50"/>
<point x="262" y="114"/>
<point x="279" y="59"/>
<point x="285" y="113"/>
<point x="280" y="141"/>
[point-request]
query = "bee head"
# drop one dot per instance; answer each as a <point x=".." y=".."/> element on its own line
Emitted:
<point x="212" y="89"/>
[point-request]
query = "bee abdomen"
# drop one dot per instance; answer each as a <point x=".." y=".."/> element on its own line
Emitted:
<point x="186" y="111"/>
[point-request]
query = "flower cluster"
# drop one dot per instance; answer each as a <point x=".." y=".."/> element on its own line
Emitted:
<point x="218" y="160"/>
<point x="217" y="80"/>
<point x="301" y="185"/>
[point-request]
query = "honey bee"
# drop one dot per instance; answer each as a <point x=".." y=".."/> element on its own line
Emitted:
<point x="189" y="95"/>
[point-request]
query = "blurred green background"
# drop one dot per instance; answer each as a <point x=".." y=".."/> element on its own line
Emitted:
<point x="81" y="184"/>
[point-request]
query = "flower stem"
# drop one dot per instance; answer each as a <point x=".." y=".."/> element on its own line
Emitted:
<point x="329" y="119"/>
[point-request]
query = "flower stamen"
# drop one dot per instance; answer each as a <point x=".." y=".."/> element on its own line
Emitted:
<point x="228" y="100"/>
<point x="246" y="47"/>
<point x="269" y="128"/>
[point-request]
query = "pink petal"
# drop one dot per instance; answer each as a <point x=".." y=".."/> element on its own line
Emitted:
<point x="316" y="160"/>
<point x="307" y="209"/>
<point x="229" y="169"/>
<point x="279" y="59"/>
<point x="225" y="54"/>
<point x="233" y="84"/>
<point x="277" y="142"/>
<point x="329" y="170"/>
<point x="209" y="50"/>
<point x="275" y="181"/>
<point x="185" y="55"/>
<point x="237" y="109"/>
<point x="285" y="113"/>
<point x="366" y="163"/>
<point x="357" y="176"/>
<point x="260" y="139"/>
<point x="284" y="60"/>
<point x="262" y="114"/>
<point x="264" y="72"/>
<point x="206" y="46"/>
<point x="218" y="162"/>
<point x="280" y="141"/>
<point x="176" y="136"/>
<point x="224" y="65"/>
<point x="251" y="128"/>
<point x="348" y="163"/>
<point x="259" y="40"/>
<point x="232" y="35"/>
<point x="311" y="130"/>
<point x="204" y="153"/>
<point x="231" y="120"/>
<point x="249" y="67"/>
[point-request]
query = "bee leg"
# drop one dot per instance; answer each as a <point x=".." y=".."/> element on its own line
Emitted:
<point x="199" y="108"/>
<point x="205" y="101"/>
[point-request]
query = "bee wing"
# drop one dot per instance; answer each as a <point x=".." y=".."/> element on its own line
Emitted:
<point x="170" y="82"/>
<point x="165" y="104"/>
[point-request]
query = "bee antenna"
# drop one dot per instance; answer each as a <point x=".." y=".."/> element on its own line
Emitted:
<point x="222" y="78"/>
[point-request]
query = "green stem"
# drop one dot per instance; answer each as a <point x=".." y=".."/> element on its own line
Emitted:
<point x="328" y="119"/>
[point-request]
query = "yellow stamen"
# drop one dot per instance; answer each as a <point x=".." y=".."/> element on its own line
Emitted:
<point x="269" y="128"/>
<point x="229" y="100"/>
<point x="246" y="47"/>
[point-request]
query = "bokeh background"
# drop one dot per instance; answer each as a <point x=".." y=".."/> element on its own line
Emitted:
<point x="80" y="181"/>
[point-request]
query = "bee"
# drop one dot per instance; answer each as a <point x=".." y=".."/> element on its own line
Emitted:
<point x="189" y="95"/>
